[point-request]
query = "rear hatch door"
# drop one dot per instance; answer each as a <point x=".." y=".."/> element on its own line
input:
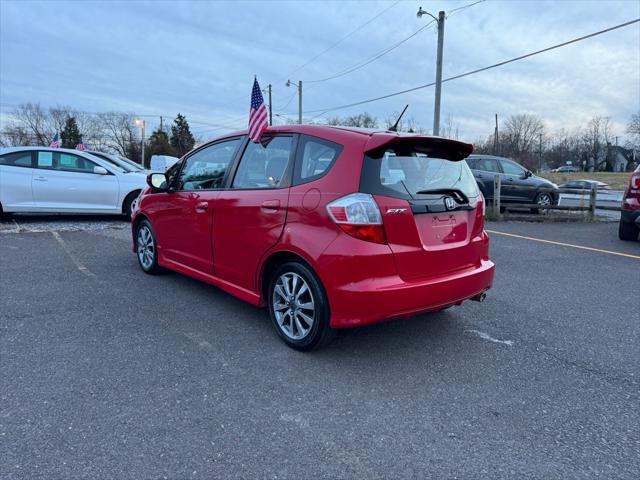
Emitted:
<point x="431" y="207"/>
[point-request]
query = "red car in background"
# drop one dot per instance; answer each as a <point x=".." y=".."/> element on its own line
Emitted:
<point x="329" y="227"/>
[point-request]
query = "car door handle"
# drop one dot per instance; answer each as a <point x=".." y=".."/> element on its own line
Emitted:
<point x="40" y="179"/>
<point x="479" y="175"/>
<point x="271" y="205"/>
<point x="202" y="206"/>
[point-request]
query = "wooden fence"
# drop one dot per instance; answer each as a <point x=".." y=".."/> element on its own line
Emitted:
<point x="590" y="208"/>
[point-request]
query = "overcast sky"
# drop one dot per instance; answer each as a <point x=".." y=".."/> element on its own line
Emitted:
<point x="199" y="58"/>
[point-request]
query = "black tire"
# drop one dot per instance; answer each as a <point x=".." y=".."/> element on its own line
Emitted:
<point x="127" y="205"/>
<point x="320" y="333"/>
<point x="4" y="214"/>
<point x="151" y="267"/>
<point x="628" y="231"/>
<point x="543" y="198"/>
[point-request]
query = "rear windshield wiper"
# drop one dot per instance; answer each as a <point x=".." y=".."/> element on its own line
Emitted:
<point x="454" y="192"/>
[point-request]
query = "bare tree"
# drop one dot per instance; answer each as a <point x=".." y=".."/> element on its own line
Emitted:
<point x="363" y="120"/>
<point x="633" y="129"/>
<point x="595" y="140"/>
<point x="521" y="136"/>
<point x="120" y="133"/>
<point x="450" y="128"/>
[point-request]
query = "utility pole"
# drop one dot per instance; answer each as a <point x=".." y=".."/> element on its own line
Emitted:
<point x="496" y="141"/>
<point x="270" y="107"/>
<point x="140" y="123"/>
<point x="300" y="102"/>
<point x="436" y="107"/>
<point x="540" y="153"/>
<point x="161" y="123"/>
<point x="289" y="83"/>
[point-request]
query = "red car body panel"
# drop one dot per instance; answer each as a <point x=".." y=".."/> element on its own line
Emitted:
<point x="226" y="237"/>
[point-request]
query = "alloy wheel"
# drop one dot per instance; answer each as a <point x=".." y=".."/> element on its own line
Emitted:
<point x="544" y="199"/>
<point x="293" y="306"/>
<point x="146" y="247"/>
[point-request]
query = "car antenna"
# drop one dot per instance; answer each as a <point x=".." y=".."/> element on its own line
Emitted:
<point x="395" y="125"/>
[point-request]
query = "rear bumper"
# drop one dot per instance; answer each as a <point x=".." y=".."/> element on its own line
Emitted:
<point x="630" y="216"/>
<point x="376" y="299"/>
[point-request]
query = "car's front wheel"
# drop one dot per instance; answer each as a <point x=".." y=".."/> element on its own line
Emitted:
<point x="628" y="231"/>
<point x="147" y="248"/>
<point x="543" y="199"/>
<point x="129" y="204"/>
<point x="298" y="307"/>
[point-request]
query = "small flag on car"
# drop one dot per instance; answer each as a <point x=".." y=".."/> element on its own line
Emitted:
<point x="257" y="114"/>
<point x="55" y="141"/>
<point x="81" y="146"/>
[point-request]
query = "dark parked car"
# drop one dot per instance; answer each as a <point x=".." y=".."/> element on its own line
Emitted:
<point x="630" y="215"/>
<point x="514" y="176"/>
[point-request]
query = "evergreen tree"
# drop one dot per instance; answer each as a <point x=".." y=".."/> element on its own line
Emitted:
<point x="158" y="144"/>
<point x="70" y="135"/>
<point x="182" y="140"/>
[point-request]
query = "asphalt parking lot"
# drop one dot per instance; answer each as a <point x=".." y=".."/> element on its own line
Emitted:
<point x="110" y="373"/>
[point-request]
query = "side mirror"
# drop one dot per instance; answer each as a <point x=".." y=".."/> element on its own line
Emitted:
<point x="157" y="182"/>
<point x="100" y="170"/>
<point x="527" y="173"/>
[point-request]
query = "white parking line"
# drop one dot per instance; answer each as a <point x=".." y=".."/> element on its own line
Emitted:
<point x="486" y="336"/>
<point x="73" y="258"/>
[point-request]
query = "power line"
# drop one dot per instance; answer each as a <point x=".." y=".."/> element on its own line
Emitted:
<point x="342" y="39"/>
<point x="464" y="7"/>
<point x="521" y="57"/>
<point x="371" y="59"/>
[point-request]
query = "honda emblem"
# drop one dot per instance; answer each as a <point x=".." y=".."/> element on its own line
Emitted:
<point x="449" y="203"/>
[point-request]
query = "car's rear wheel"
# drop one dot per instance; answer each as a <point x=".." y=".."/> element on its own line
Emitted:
<point x="628" y="231"/>
<point x="147" y="248"/>
<point x="543" y="199"/>
<point x="298" y="307"/>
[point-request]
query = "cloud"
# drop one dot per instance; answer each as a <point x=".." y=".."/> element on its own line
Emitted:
<point x="199" y="58"/>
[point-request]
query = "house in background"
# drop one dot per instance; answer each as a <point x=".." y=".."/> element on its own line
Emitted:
<point x="615" y="159"/>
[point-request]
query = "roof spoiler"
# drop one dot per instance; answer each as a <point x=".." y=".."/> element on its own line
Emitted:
<point x="442" y="147"/>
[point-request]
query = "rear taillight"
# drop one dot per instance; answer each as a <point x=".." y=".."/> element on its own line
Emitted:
<point x="631" y="199"/>
<point x="359" y="216"/>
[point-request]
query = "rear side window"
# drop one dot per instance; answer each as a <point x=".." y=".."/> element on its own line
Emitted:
<point x="404" y="171"/>
<point x="486" y="165"/>
<point x="16" y="159"/>
<point x="315" y="158"/>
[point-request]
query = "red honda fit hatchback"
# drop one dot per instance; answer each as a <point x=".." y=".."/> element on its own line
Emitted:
<point x="329" y="227"/>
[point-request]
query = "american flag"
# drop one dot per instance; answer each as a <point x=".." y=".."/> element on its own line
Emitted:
<point x="258" y="114"/>
<point x="55" y="141"/>
<point x="81" y="146"/>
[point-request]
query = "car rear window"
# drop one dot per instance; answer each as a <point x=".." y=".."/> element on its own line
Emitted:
<point x="408" y="172"/>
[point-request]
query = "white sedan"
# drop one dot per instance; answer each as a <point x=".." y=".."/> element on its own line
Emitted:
<point x="42" y="179"/>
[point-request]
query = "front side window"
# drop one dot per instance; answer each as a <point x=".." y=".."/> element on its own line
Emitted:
<point x="510" y="168"/>
<point x="406" y="171"/>
<point x="66" y="162"/>
<point x="16" y="159"/>
<point x="206" y="168"/>
<point x="263" y="164"/>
